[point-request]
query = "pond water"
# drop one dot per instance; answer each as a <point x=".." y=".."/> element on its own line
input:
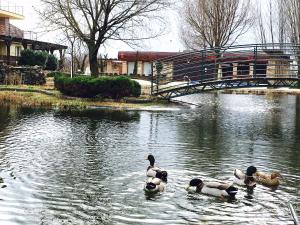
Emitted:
<point x="89" y="168"/>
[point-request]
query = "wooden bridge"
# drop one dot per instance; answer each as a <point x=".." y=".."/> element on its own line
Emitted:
<point x="247" y="66"/>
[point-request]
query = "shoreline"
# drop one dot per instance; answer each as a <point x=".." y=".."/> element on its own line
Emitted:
<point x="263" y="91"/>
<point x="43" y="97"/>
<point x="34" y="96"/>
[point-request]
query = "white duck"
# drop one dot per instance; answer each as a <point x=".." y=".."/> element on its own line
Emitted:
<point x="155" y="184"/>
<point x="245" y="179"/>
<point x="152" y="169"/>
<point x="218" y="189"/>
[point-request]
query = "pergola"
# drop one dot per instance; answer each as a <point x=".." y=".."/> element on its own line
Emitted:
<point x="35" y="45"/>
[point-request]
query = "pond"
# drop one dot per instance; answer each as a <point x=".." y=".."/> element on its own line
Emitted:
<point x="89" y="167"/>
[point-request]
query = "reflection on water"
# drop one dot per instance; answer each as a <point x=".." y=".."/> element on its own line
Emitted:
<point x="89" y="168"/>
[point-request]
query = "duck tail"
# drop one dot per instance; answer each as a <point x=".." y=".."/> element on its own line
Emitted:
<point x="236" y="174"/>
<point x="164" y="176"/>
<point x="232" y="191"/>
<point x="150" y="186"/>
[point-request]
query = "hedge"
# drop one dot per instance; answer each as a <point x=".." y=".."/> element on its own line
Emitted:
<point x="89" y="87"/>
<point x="38" y="58"/>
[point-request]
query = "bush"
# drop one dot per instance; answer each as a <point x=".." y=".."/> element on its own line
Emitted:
<point x="159" y="67"/>
<point x="27" y="58"/>
<point x="89" y="87"/>
<point x="52" y="63"/>
<point x="38" y="58"/>
<point x="136" y="89"/>
<point x="54" y="74"/>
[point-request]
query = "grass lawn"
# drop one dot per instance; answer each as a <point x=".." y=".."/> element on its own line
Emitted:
<point x="47" y="97"/>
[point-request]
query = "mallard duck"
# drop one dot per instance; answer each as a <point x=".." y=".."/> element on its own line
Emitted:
<point x="245" y="179"/>
<point x="152" y="169"/>
<point x="272" y="179"/>
<point x="155" y="184"/>
<point x="218" y="189"/>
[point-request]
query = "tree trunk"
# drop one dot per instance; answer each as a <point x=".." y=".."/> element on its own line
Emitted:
<point x="94" y="66"/>
<point x="83" y="64"/>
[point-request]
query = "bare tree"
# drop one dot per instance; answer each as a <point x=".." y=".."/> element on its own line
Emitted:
<point x="271" y="22"/>
<point x="103" y="62"/>
<point x="80" y="56"/>
<point x="77" y="51"/>
<point x="292" y="13"/>
<point x="215" y="23"/>
<point x="97" y="21"/>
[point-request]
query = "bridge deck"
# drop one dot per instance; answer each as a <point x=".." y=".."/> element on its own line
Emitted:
<point x="187" y="88"/>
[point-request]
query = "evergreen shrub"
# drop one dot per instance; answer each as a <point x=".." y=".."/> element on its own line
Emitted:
<point x="89" y="87"/>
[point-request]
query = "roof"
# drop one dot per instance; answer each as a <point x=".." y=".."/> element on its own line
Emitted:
<point x="144" y="56"/>
<point x="181" y="57"/>
<point x="39" y="45"/>
<point x="10" y="15"/>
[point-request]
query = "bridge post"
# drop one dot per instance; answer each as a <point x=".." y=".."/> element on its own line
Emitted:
<point x="202" y="74"/>
<point x="255" y="62"/>
<point x="152" y="80"/>
<point x="157" y="81"/>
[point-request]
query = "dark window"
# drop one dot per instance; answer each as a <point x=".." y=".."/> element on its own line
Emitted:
<point x="261" y="69"/>
<point x="227" y="70"/>
<point x="243" y="69"/>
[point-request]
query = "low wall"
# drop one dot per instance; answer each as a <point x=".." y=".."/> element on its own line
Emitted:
<point x="10" y="75"/>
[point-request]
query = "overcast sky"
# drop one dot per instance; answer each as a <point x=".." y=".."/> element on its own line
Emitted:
<point x="168" y="42"/>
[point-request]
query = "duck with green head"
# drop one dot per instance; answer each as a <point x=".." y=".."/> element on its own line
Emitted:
<point x="214" y="188"/>
<point x="153" y="169"/>
<point x="245" y="179"/>
<point x="155" y="184"/>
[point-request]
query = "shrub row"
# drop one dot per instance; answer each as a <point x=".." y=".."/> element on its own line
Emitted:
<point x="38" y="58"/>
<point x="89" y="87"/>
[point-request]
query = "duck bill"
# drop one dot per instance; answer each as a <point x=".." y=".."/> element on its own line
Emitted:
<point x="187" y="187"/>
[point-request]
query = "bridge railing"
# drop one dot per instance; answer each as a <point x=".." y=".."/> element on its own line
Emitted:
<point x="234" y="62"/>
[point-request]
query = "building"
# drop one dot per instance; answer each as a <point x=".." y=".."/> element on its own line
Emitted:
<point x="206" y="65"/>
<point x="13" y="40"/>
<point x="143" y="61"/>
<point x="109" y="67"/>
<point x="197" y="65"/>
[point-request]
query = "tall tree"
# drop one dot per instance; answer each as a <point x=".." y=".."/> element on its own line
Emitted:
<point x="215" y="23"/>
<point x="271" y="22"/>
<point x="97" y="21"/>
<point x="292" y="15"/>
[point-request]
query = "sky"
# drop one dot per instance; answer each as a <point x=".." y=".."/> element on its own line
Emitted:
<point x="169" y="42"/>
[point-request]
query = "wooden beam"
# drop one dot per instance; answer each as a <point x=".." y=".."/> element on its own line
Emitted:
<point x="8" y="44"/>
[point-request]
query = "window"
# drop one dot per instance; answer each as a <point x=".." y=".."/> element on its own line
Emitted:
<point x="130" y="67"/>
<point x="243" y="69"/>
<point x="18" y="51"/>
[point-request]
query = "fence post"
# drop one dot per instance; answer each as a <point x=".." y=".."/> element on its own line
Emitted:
<point x="157" y="81"/>
<point x="255" y="61"/>
<point x="202" y="66"/>
<point x="152" y="79"/>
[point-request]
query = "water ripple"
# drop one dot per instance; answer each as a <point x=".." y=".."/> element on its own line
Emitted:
<point x="89" y="168"/>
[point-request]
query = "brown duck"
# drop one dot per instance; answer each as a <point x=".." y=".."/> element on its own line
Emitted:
<point x="273" y="179"/>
